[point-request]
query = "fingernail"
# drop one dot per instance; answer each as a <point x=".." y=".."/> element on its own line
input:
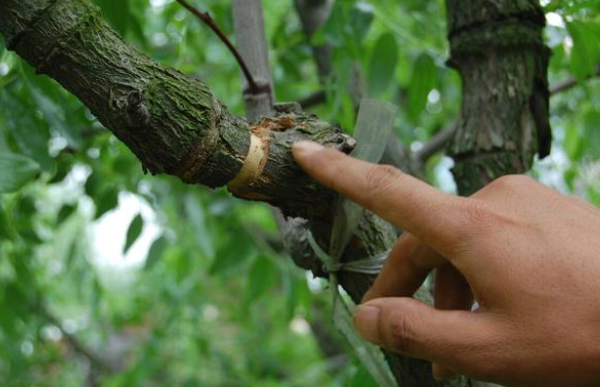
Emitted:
<point x="366" y="321"/>
<point x="307" y="148"/>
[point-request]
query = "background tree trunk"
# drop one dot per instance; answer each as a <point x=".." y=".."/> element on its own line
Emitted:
<point x="497" y="47"/>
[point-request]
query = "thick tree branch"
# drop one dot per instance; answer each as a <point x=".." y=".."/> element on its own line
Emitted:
<point x="175" y="125"/>
<point x="171" y="122"/>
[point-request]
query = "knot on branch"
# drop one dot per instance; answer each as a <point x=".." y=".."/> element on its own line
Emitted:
<point x="137" y="113"/>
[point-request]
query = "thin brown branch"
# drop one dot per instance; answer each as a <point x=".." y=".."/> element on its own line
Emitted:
<point x="570" y="83"/>
<point x="314" y="99"/>
<point x="439" y="141"/>
<point x="73" y="342"/>
<point x="210" y="22"/>
<point x="436" y="144"/>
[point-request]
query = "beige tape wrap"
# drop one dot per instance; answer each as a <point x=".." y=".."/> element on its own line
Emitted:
<point x="251" y="168"/>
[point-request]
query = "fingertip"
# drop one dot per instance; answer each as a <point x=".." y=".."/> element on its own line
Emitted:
<point x="366" y="322"/>
<point x="303" y="150"/>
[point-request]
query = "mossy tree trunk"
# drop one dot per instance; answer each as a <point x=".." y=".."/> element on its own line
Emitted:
<point x="497" y="46"/>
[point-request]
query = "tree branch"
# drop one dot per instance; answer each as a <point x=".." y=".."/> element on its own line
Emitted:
<point x="435" y="144"/>
<point x="210" y="22"/>
<point x="441" y="139"/>
<point x="77" y="346"/>
<point x="570" y="83"/>
<point x="314" y="99"/>
<point x="176" y="126"/>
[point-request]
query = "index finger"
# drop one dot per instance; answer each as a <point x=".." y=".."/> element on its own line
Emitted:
<point x="436" y="218"/>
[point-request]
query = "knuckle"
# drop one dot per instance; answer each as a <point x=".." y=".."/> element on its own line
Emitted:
<point x="479" y="216"/>
<point x="473" y="227"/>
<point x="512" y="182"/>
<point x="379" y="179"/>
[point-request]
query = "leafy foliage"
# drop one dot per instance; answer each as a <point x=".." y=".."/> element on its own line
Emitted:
<point x="203" y="294"/>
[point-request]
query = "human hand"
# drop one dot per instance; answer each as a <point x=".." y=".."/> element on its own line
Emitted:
<point x="528" y="255"/>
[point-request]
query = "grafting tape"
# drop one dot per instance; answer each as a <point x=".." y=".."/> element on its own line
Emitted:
<point x="370" y="265"/>
<point x="252" y="166"/>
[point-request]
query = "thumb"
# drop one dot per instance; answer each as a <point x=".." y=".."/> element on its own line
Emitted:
<point x="455" y="339"/>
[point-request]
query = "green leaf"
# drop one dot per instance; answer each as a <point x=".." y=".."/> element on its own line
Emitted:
<point x="64" y="213"/>
<point x="573" y="142"/>
<point x="117" y="13"/>
<point x="6" y="230"/>
<point x="134" y="231"/>
<point x="382" y="64"/>
<point x="585" y="54"/>
<point x="196" y="214"/>
<point x="261" y="277"/>
<point x="362" y="378"/>
<point x="592" y="133"/>
<point x="298" y="295"/>
<point x="155" y="253"/>
<point x="594" y="196"/>
<point x="361" y="19"/>
<point x="16" y="171"/>
<point x="108" y="199"/>
<point x="234" y="252"/>
<point x="423" y="80"/>
<point x="332" y="31"/>
<point x="25" y="127"/>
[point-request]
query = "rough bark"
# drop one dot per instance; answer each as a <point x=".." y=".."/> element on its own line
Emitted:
<point x="171" y="122"/>
<point x="498" y="49"/>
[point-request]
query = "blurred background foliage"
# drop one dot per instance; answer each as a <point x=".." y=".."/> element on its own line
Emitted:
<point x="109" y="277"/>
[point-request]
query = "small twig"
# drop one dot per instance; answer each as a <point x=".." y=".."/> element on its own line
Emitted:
<point x="440" y="140"/>
<point x="435" y="144"/>
<point x="570" y="83"/>
<point x="209" y="21"/>
<point x="314" y="99"/>
<point x="74" y="342"/>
